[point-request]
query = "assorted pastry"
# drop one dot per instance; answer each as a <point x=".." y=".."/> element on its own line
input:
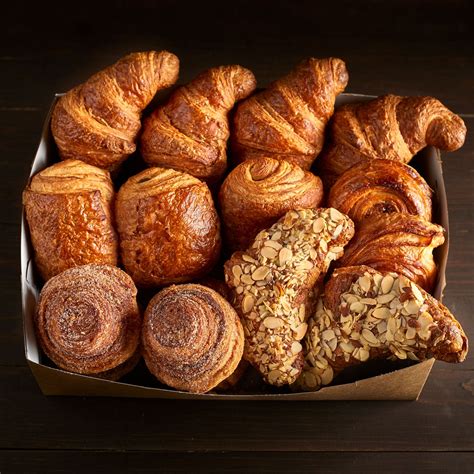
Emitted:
<point x="241" y="256"/>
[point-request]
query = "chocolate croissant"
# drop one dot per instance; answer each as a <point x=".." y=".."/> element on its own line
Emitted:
<point x="287" y="120"/>
<point x="389" y="127"/>
<point x="87" y="321"/>
<point x="381" y="187"/>
<point x="98" y="121"/>
<point x="258" y="192"/>
<point x="168" y="226"/>
<point x="274" y="286"/>
<point x="190" y="132"/>
<point x="365" y="314"/>
<point x="399" y="243"/>
<point x="69" y="211"/>
<point x="192" y="338"/>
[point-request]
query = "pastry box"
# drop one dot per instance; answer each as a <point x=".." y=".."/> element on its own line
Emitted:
<point x="377" y="381"/>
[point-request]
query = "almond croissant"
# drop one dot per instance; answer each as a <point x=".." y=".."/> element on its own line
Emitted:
<point x="287" y="120"/>
<point x="274" y="286"/>
<point x="189" y="133"/>
<point x="365" y="314"/>
<point x="98" y="121"/>
<point x="399" y="243"/>
<point x="389" y="127"/>
<point x="381" y="187"/>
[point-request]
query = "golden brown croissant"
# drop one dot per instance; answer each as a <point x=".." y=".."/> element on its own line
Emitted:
<point x="287" y="120"/>
<point x="365" y="314"/>
<point x="381" y="187"/>
<point x="68" y="207"/>
<point x="190" y="132"/>
<point x="258" y="192"/>
<point x="389" y="127"/>
<point x="399" y="243"/>
<point x="273" y="286"/>
<point x="168" y="227"/>
<point x="192" y="338"/>
<point x="87" y="321"/>
<point x="98" y="121"/>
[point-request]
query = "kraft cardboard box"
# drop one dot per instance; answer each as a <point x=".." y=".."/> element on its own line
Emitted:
<point x="390" y="383"/>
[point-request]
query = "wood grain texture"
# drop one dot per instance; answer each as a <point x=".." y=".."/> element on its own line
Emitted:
<point x="404" y="47"/>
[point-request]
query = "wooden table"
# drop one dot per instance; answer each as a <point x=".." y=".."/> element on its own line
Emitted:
<point x="423" y="48"/>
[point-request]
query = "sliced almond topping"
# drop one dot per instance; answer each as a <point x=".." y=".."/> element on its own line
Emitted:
<point x="305" y="265"/>
<point x="247" y="303"/>
<point x="370" y="301"/>
<point x="381" y="313"/>
<point x="269" y="252"/>
<point x="247" y="258"/>
<point x="276" y="235"/>
<point x="357" y="307"/>
<point x="365" y="283"/>
<point x="324" y="245"/>
<point x="296" y="347"/>
<point x="337" y="250"/>
<point x="260" y="273"/>
<point x="369" y="336"/>
<point x="381" y="327"/>
<point x="416" y="292"/>
<point x="310" y="380"/>
<point x="337" y="231"/>
<point x="363" y="354"/>
<point x="272" y="323"/>
<point x="318" y="225"/>
<point x="347" y="347"/>
<point x="328" y="334"/>
<point x="384" y="299"/>
<point x="284" y="255"/>
<point x="386" y="284"/>
<point x="301" y="331"/>
<point x="246" y="279"/>
<point x="237" y="271"/>
<point x="411" y="333"/>
<point x="273" y="244"/>
<point x="335" y="215"/>
<point x="412" y="306"/>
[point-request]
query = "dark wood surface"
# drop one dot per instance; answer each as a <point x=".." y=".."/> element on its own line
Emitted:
<point x="404" y="47"/>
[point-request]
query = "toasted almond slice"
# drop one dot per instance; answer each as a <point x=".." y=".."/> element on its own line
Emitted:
<point x="247" y="303"/>
<point x="269" y="252"/>
<point x="271" y="322"/>
<point x="296" y="347"/>
<point x="260" y="273"/>
<point x="318" y="225"/>
<point x="386" y="284"/>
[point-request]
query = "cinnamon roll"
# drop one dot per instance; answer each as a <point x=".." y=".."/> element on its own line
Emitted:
<point x="168" y="226"/>
<point x="68" y="207"/>
<point x="192" y="338"/>
<point x="381" y="187"/>
<point x="399" y="243"/>
<point x="273" y="286"/>
<point x="365" y="314"/>
<point x="258" y="192"/>
<point x="87" y="321"/>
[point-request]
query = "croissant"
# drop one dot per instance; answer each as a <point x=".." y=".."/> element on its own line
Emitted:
<point x="287" y="120"/>
<point x="365" y="314"/>
<point x="258" y="192"/>
<point x="190" y="132"/>
<point x="389" y="127"/>
<point x="98" y="121"/>
<point x="87" y="321"/>
<point x="399" y="243"/>
<point x="168" y="226"/>
<point x="69" y="209"/>
<point x="192" y="338"/>
<point x="381" y="187"/>
<point x="273" y="286"/>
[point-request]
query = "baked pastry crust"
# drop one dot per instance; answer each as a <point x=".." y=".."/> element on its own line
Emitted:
<point x="68" y="207"/>
<point x="192" y="338"/>
<point x="168" y="226"/>
<point x="98" y="121"/>
<point x="87" y="321"/>
<point x="274" y="286"/>
<point x="365" y="314"/>
<point x="381" y="187"/>
<point x="287" y="120"/>
<point x="399" y="243"/>
<point x="189" y="132"/>
<point x="389" y="127"/>
<point x="258" y="192"/>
